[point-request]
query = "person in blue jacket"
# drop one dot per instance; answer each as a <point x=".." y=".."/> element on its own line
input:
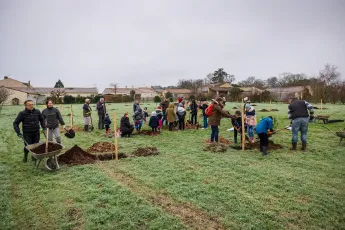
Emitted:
<point x="262" y="130"/>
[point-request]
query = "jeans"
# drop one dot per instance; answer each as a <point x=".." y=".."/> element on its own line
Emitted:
<point x="56" y="133"/>
<point x="30" y="138"/>
<point x="164" y="119"/>
<point x="194" y="118"/>
<point x="205" y="121"/>
<point x="250" y="130"/>
<point x="138" y="125"/>
<point x="181" y="122"/>
<point x="263" y="140"/>
<point x="101" y="121"/>
<point x="87" y="120"/>
<point x="215" y="132"/>
<point x="300" y="124"/>
<point x="171" y="126"/>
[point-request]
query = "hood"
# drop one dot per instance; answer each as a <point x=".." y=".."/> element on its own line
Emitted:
<point x="153" y="114"/>
<point x="140" y="110"/>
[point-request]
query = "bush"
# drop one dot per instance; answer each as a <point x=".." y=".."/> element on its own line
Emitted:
<point x="157" y="99"/>
<point x="68" y="99"/>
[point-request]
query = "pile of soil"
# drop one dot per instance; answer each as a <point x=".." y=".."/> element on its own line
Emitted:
<point x="146" y="132"/>
<point x="192" y="126"/>
<point x="75" y="128"/>
<point x="70" y="115"/>
<point x="234" y="108"/>
<point x="77" y="156"/>
<point x="314" y="107"/>
<point x="276" y="110"/>
<point x="144" y="152"/>
<point x="253" y="105"/>
<point x="263" y="110"/>
<point x="256" y="145"/>
<point x="101" y="147"/>
<point x="222" y="140"/>
<point x="216" y="147"/>
<point x="42" y="148"/>
<point x="110" y="156"/>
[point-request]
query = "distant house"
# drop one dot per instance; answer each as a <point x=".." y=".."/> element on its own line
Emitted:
<point x="9" y="82"/>
<point x="284" y="93"/>
<point x="20" y="94"/>
<point x="146" y="93"/>
<point x="217" y="89"/>
<point x="119" y="91"/>
<point x="250" y="91"/>
<point x="178" y="92"/>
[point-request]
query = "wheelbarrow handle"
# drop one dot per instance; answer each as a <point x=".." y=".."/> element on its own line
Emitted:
<point x="21" y="137"/>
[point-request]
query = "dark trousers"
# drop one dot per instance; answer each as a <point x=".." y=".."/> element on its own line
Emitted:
<point x="30" y="138"/>
<point x="263" y="140"/>
<point x="128" y="132"/>
<point x="154" y="130"/>
<point x="235" y="135"/>
<point x="215" y="132"/>
<point x="171" y="124"/>
<point x="101" y="121"/>
<point x="194" y="118"/>
<point x="181" y="122"/>
<point x="107" y="127"/>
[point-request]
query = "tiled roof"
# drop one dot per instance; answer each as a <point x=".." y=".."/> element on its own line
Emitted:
<point x="38" y="90"/>
<point x="181" y="91"/>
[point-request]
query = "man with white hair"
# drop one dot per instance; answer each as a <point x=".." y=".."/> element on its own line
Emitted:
<point x="101" y="113"/>
<point x="87" y="114"/>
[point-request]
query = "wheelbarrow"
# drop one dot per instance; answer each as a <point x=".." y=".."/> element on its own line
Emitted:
<point x="340" y="134"/>
<point x="51" y="155"/>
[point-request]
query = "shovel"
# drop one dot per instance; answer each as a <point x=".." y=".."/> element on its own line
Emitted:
<point x="91" y="128"/>
<point x="69" y="133"/>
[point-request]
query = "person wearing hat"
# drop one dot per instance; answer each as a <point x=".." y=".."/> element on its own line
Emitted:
<point x="217" y="113"/>
<point x="153" y="123"/>
<point x="107" y="123"/>
<point x="31" y="120"/>
<point x="299" y="116"/>
<point x="102" y="110"/>
<point x="181" y="114"/>
<point x="52" y="118"/>
<point x="87" y="114"/>
<point x="250" y="119"/>
<point x="262" y="131"/>
<point x="125" y="126"/>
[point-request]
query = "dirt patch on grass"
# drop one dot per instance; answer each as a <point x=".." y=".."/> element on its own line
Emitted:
<point x="101" y="147"/>
<point x="263" y="110"/>
<point x="77" y="156"/>
<point x="75" y="129"/>
<point x="42" y="148"/>
<point x="275" y="110"/>
<point x="190" y="215"/>
<point x="253" y="105"/>
<point x="216" y="147"/>
<point x="146" y="132"/>
<point x="256" y="145"/>
<point x="111" y="156"/>
<point x="144" y="152"/>
<point x="222" y="140"/>
<point x="75" y="215"/>
<point x="192" y="126"/>
<point x="234" y="108"/>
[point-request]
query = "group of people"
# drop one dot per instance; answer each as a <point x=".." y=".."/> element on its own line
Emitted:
<point x="300" y="113"/>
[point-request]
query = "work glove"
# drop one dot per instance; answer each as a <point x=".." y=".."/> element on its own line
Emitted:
<point x="20" y="135"/>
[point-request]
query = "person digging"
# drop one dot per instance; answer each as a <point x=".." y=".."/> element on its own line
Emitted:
<point x="101" y="113"/>
<point x="87" y="115"/>
<point x="31" y="120"/>
<point x="300" y="118"/>
<point x="125" y="127"/>
<point x="262" y="131"/>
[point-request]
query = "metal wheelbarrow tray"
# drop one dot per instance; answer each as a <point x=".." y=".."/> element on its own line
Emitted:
<point x="40" y="157"/>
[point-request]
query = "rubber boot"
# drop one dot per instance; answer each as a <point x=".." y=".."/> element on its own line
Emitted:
<point x="304" y="146"/>
<point x="86" y="128"/>
<point x="25" y="157"/>
<point x="294" y="147"/>
<point x="264" y="150"/>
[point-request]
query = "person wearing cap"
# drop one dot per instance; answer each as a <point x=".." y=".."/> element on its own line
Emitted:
<point x="107" y="123"/>
<point x="153" y="123"/>
<point x="250" y="119"/>
<point x="262" y="131"/>
<point x="125" y="126"/>
<point x="217" y="114"/>
<point x="102" y="110"/>
<point x="87" y="114"/>
<point x="52" y="118"/>
<point x="31" y="120"/>
<point x="299" y="116"/>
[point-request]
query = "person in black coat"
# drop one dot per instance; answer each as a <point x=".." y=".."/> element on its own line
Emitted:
<point x="31" y="120"/>
<point x="101" y="113"/>
<point x="154" y="123"/>
<point x="125" y="127"/>
<point x="194" y="111"/>
<point x="52" y="118"/>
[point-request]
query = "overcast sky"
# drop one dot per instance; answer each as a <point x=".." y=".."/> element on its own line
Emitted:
<point x="157" y="42"/>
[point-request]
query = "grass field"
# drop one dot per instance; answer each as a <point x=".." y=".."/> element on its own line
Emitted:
<point x="182" y="188"/>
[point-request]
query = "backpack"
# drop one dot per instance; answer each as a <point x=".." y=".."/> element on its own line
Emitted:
<point x="209" y="110"/>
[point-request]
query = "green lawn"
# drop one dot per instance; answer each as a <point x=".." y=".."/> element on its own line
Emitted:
<point x="183" y="187"/>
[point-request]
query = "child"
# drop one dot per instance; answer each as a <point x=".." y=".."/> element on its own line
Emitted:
<point x="203" y="107"/>
<point x="154" y="123"/>
<point x="261" y="129"/>
<point x="107" y="123"/>
<point x="160" y="117"/>
<point x="250" y="121"/>
<point x="181" y="114"/>
<point x="138" y="119"/>
<point x="237" y="124"/>
<point x="171" y="116"/>
<point x="146" y="114"/>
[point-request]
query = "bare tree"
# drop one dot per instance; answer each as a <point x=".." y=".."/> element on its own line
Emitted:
<point x="115" y="86"/>
<point x="57" y="95"/>
<point x="4" y="95"/>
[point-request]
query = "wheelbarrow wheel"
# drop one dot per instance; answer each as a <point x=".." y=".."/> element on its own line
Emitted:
<point x="52" y="164"/>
